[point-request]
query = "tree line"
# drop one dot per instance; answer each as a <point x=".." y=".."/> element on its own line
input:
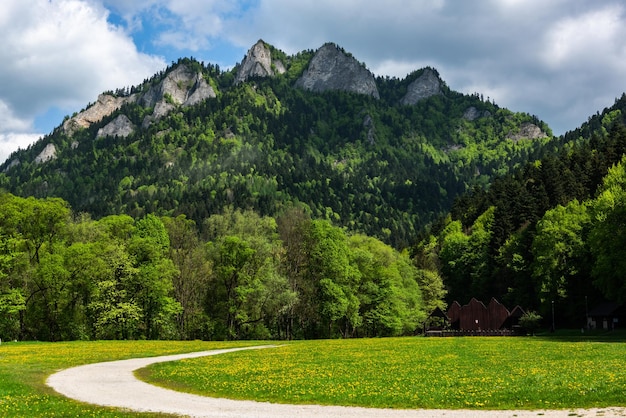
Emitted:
<point x="65" y="276"/>
<point x="549" y="234"/>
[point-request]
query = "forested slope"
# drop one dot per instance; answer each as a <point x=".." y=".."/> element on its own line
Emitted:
<point x="549" y="232"/>
<point x="371" y="164"/>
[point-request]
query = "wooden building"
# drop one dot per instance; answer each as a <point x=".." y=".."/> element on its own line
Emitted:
<point x="475" y="316"/>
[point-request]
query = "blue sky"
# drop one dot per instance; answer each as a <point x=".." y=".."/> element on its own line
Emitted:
<point x="562" y="60"/>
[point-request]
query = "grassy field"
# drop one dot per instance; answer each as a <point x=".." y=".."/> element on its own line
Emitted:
<point x="24" y="368"/>
<point x="477" y="373"/>
<point x="482" y="373"/>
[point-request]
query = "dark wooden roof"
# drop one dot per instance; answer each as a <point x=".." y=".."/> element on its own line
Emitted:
<point x="498" y="314"/>
<point x="439" y="313"/>
<point x="454" y="312"/>
<point x="517" y="312"/>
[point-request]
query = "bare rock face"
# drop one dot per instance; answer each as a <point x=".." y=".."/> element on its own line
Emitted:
<point x="180" y="87"/>
<point x="201" y="91"/>
<point x="332" y="69"/>
<point x="104" y="106"/>
<point x="368" y="124"/>
<point x="120" y="126"/>
<point x="14" y="163"/>
<point x="258" y="63"/>
<point x="471" y="113"/>
<point x="48" y="153"/>
<point x="425" y="86"/>
<point x="527" y="131"/>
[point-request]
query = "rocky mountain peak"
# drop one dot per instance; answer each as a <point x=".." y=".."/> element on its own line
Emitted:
<point x="426" y="85"/>
<point x="332" y="69"/>
<point x="181" y="86"/>
<point x="258" y="63"/>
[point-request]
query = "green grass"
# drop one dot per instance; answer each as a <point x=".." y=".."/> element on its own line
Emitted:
<point x="24" y="368"/>
<point x="562" y="371"/>
<point x="477" y="373"/>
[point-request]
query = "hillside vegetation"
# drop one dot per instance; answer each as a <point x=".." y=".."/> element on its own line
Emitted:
<point x="232" y="204"/>
<point x="550" y="233"/>
<point x="372" y="165"/>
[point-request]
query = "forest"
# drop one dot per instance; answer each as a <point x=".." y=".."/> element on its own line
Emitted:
<point x="65" y="276"/>
<point x="551" y="233"/>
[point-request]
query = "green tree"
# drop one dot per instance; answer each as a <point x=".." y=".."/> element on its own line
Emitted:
<point x="113" y="310"/>
<point x="559" y="249"/>
<point x="152" y="285"/>
<point x="389" y="294"/>
<point x="530" y="321"/>
<point x="247" y="291"/>
<point x="608" y="235"/>
<point x="190" y="284"/>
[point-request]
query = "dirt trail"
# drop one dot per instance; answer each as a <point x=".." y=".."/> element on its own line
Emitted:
<point x="114" y="384"/>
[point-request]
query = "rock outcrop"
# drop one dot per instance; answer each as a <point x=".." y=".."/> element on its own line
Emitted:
<point x="104" y="106"/>
<point x="471" y="113"/>
<point x="368" y="124"/>
<point x="332" y="69"/>
<point x="527" y="131"/>
<point x="258" y="63"/>
<point x="120" y="126"/>
<point x="182" y="86"/>
<point x="48" y="153"/>
<point x="426" y="85"/>
<point x="13" y="163"/>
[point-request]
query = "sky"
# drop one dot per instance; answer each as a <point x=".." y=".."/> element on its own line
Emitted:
<point x="561" y="60"/>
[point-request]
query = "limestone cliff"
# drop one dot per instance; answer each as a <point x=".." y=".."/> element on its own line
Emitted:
<point x="258" y="63"/>
<point x="527" y="131"/>
<point x="120" y="126"/>
<point x="104" y="106"/>
<point x="48" y="153"/>
<point x="426" y="85"/>
<point x="182" y="86"/>
<point x="471" y="113"/>
<point x="332" y="69"/>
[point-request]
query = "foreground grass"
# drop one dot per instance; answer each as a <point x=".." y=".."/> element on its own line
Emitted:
<point x="477" y="373"/>
<point x="24" y="367"/>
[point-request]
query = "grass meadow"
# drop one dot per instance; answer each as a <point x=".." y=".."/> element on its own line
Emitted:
<point x="24" y="368"/>
<point x="476" y="373"/>
<point x="463" y="372"/>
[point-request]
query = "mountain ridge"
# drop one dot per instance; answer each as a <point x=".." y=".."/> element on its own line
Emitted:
<point x="379" y="155"/>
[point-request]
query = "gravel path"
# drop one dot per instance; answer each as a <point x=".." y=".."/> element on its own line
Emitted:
<point x="114" y="384"/>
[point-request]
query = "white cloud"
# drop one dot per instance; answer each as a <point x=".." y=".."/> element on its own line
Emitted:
<point x="11" y="142"/>
<point x="60" y="54"/>
<point x="185" y="25"/>
<point x="597" y="36"/>
<point x="562" y="60"/>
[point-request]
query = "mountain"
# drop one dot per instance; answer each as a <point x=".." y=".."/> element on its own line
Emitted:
<point x="317" y="130"/>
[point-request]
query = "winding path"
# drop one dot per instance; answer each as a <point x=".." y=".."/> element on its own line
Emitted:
<point x="114" y="384"/>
